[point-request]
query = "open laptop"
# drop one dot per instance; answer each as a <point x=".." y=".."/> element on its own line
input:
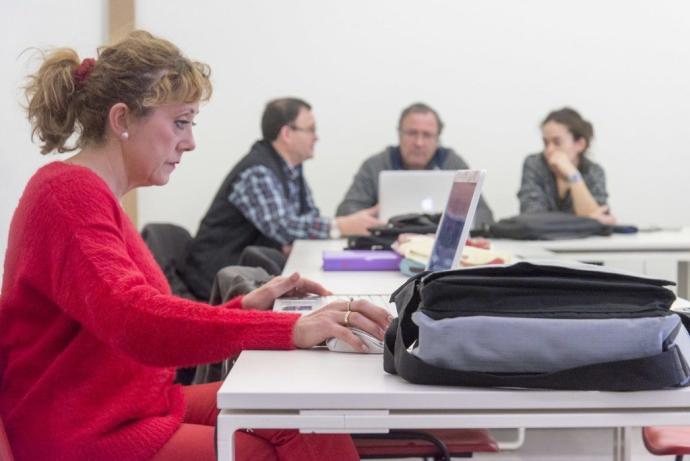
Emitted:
<point x="452" y="232"/>
<point x="419" y="191"/>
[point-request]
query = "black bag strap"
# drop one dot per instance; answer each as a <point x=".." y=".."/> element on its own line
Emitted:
<point x="413" y="223"/>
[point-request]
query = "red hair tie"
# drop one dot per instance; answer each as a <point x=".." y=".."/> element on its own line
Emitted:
<point x="82" y="72"/>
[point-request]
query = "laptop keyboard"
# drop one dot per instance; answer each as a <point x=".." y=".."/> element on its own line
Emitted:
<point x="304" y="305"/>
<point x="379" y="300"/>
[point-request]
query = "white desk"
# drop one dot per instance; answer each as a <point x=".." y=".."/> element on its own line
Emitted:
<point x="664" y="254"/>
<point x="321" y="391"/>
<point x="643" y="253"/>
<point x="661" y="242"/>
<point x="305" y="258"/>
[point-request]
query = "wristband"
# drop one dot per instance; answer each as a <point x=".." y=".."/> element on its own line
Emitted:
<point x="575" y="177"/>
<point x="334" y="233"/>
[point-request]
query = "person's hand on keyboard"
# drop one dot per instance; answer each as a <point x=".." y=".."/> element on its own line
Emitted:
<point x="263" y="297"/>
<point x="334" y="320"/>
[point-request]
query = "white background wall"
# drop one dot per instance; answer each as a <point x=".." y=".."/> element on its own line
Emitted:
<point x="493" y="69"/>
<point x="24" y="24"/>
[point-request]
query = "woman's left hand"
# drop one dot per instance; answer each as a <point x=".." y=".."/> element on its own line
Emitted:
<point x="263" y="297"/>
<point x="602" y="215"/>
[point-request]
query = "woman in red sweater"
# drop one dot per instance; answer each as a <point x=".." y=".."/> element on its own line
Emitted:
<point x="91" y="334"/>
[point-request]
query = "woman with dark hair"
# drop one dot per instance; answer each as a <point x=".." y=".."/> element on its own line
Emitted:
<point x="91" y="333"/>
<point x="562" y="178"/>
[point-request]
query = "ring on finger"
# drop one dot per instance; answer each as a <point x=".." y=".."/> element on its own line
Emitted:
<point x="349" y="305"/>
<point x="347" y="318"/>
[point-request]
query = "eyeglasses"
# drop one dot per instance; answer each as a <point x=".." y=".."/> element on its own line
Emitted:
<point x="310" y="130"/>
<point x="414" y="134"/>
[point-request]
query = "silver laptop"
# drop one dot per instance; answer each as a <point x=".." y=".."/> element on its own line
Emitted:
<point x="461" y="204"/>
<point x="419" y="191"/>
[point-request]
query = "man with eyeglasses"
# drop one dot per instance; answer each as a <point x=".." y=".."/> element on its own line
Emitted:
<point x="265" y="199"/>
<point x="419" y="129"/>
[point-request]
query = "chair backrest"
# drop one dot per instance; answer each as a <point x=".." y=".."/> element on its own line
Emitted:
<point x="269" y="259"/>
<point x="5" y="450"/>
<point x="169" y="244"/>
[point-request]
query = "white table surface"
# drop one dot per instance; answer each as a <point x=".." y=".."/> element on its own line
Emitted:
<point x="309" y="379"/>
<point x="658" y="241"/>
<point x="661" y="254"/>
<point x="306" y="258"/>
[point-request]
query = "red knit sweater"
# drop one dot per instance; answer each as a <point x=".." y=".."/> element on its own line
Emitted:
<point x="91" y="332"/>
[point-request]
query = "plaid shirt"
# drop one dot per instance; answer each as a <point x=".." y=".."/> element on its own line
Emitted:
<point x="260" y="196"/>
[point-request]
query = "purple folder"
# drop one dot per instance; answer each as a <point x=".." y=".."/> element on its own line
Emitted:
<point x="361" y="260"/>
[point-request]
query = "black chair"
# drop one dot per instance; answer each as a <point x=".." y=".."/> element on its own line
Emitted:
<point x="169" y="244"/>
<point x="269" y="259"/>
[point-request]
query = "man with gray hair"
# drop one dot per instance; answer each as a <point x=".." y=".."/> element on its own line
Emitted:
<point x="419" y="129"/>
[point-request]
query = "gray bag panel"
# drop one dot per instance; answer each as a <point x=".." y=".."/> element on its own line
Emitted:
<point x="539" y="345"/>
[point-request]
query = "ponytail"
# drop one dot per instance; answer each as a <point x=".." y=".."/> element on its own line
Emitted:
<point x="51" y="97"/>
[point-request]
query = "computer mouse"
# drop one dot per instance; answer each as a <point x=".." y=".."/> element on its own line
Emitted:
<point x="374" y="345"/>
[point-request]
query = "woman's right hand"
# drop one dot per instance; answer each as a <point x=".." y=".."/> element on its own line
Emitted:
<point x="359" y="222"/>
<point x="333" y="320"/>
<point x="560" y="164"/>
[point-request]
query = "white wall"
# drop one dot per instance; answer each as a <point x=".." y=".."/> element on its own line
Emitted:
<point x="41" y="24"/>
<point x="493" y="69"/>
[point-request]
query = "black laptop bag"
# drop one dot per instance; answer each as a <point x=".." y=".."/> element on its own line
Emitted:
<point x="382" y="237"/>
<point x="552" y="225"/>
<point x="553" y="326"/>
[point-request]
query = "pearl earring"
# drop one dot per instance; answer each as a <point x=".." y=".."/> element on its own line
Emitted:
<point x="124" y="136"/>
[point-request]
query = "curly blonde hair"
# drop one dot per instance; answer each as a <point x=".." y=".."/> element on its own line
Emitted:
<point x="142" y="71"/>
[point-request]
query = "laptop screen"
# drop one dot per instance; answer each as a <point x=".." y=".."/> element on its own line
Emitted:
<point x="457" y="220"/>
<point x="418" y="191"/>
